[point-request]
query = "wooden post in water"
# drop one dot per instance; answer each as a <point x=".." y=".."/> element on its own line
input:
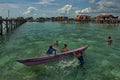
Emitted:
<point x="14" y="23"/>
<point x="7" y="27"/>
<point x="1" y="26"/>
<point x="10" y="23"/>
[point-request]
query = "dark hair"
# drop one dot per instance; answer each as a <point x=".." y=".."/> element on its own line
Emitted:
<point x="65" y="45"/>
<point x="79" y="52"/>
<point x="50" y="46"/>
<point x="109" y="37"/>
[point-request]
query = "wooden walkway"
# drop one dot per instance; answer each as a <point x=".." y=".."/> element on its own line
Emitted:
<point x="10" y="24"/>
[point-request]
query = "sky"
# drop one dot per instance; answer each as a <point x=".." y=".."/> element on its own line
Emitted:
<point x="50" y="8"/>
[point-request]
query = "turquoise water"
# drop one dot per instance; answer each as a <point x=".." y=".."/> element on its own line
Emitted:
<point x="102" y="62"/>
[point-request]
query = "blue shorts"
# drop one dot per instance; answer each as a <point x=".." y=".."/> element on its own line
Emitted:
<point x="80" y="58"/>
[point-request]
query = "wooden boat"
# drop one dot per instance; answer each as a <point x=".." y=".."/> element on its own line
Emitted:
<point x="52" y="57"/>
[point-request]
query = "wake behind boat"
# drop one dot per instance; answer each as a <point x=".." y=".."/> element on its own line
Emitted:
<point x="52" y="57"/>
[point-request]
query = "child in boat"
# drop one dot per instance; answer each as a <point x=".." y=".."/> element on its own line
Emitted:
<point x="109" y="40"/>
<point x="79" y="57"/>
<point x="56" y="43"/>
<point x="64" y="48"/>
<point x="51" y="50"/>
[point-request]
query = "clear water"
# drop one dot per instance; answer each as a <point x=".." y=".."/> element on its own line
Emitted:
<point x="102" y="62"/>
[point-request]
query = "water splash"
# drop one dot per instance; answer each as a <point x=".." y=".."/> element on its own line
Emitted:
<point x="67" y="63"/>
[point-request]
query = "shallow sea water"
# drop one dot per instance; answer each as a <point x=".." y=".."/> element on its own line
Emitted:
<point x="102" y="62"/>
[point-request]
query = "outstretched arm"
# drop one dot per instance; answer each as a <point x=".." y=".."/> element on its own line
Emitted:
<point x="46" y="52"/>
<point x="74" y="54"/>
<point x="55" y="52"/>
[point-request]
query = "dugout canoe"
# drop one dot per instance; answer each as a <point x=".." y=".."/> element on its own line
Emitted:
<point x="52" y="57"/>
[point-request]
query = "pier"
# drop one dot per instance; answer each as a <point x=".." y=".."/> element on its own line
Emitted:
<point x="10" y="24"/>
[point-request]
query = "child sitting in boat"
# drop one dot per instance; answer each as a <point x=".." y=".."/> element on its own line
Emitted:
<point x="64" y="48"/>
<point x="51" y="50"/>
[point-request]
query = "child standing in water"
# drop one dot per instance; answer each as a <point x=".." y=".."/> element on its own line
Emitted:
<point x="56" y="43"/>
<point x="109" y="40"/>
<point x="79" y="57"/>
